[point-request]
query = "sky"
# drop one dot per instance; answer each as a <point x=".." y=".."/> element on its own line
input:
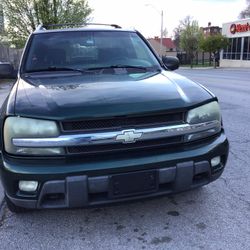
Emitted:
<point x="144" y="15"/>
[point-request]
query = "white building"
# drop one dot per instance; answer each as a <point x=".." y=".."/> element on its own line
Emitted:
<point x="237" y="54"/>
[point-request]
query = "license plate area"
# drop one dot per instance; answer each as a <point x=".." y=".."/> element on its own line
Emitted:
<point x="135" y="183"/>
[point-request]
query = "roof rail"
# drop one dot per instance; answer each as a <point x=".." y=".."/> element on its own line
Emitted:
<point x="40" y="27"/>
<point x="44" y="27"/>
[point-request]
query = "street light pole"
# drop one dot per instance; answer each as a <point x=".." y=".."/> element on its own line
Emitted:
<point x="161" y="32"/>
<point x="161" y="13"/>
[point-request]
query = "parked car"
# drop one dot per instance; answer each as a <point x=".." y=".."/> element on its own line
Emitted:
<point x="7" y="70"/>
<point x="97" y="117"/>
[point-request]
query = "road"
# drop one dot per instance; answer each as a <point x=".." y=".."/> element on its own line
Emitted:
<point x="216" y="216"/>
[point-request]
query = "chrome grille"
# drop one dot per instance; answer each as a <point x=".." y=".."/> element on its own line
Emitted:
<point x="123" y="123"/>
<point x="105" y="141"/>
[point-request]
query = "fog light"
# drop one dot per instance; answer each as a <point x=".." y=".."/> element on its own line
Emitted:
<point x="28" y="186"/>
<point x="215" y="161"/>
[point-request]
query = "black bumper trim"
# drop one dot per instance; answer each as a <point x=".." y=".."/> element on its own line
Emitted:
<point x="77" y="191"/>
<point x="82" y="191"/>
<point x="184" y="175"/>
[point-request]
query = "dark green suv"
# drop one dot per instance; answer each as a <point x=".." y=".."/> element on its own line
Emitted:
<point x="97" y="117"/>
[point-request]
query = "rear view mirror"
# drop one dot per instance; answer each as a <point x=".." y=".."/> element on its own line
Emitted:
<point x="171" y="62"/>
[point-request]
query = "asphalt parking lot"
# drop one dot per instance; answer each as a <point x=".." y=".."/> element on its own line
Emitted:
<point x="216" y="216"/>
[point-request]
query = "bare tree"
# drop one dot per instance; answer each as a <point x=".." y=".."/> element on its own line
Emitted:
<point x="246" y="12"/>
<point x="1" y="19"/>
<point x="177" y="31"/>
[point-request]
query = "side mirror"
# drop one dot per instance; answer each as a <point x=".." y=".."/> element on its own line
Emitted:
<point x="171" y="62"/>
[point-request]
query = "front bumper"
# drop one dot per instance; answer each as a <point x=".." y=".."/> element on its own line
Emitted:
<point x="86" y="184"/>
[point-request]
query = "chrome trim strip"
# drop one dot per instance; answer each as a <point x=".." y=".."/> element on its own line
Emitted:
<point x="130" y="136"/>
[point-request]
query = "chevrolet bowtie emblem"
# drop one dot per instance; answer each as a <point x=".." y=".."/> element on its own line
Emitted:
<point x="128" y="136"/>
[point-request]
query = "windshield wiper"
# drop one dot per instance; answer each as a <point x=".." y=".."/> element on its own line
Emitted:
<point x="118" y="66"/>
<point x="55" y="69"/>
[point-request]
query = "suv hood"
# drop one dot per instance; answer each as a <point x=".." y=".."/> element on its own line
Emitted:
<point x="76" y="96"/>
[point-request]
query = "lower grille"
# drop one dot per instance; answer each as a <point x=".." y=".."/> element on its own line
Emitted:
<point x="140" y="145"/>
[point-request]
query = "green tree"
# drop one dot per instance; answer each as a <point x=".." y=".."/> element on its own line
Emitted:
<point x="23" y="16"/>
<point x="246" y="12"/>
<point x="190" y="37"/>
<point x="213" y="44"/>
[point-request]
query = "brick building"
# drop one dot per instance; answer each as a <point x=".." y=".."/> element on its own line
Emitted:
<point x="168" y="46"/>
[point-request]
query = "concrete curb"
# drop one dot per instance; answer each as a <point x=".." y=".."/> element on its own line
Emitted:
<point x="1" y="193"/>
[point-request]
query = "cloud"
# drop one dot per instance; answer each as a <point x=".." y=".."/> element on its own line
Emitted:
<point x="131" y="13"/>
<point x="214" y="1"/>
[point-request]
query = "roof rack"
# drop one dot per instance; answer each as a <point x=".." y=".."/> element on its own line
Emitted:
<point x="40" y="27"/>
<point x="45" y="27"/>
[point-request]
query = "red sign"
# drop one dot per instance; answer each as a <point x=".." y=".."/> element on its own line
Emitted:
<point x="238" y="28"/>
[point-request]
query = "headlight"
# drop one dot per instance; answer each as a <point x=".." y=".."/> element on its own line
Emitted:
<point x="208" y="116"/>
<point x="18" y="127"/>
<point x="204" y="113"/>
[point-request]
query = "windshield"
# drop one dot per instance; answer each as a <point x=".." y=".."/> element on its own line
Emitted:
<point x="86" y="50"/>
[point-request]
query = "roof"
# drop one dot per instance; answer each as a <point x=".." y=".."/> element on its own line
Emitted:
<point x="166" y="42"/>
<point x="211" y="27"/>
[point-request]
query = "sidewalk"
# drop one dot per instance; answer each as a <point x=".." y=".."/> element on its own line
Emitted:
<point x="194" y="68"/>
<point x="1" y="202"/>
<point x="5" y="86"/>
<point x="212" y="68"/>
<point x="1" y="194"/>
